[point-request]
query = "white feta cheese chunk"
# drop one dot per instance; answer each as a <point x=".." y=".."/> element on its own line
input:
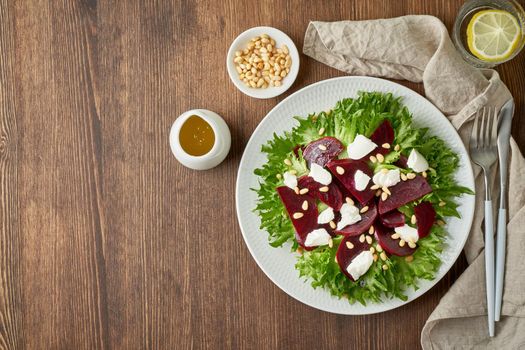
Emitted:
<point x="417" y="162"/>
<point x="407" y="233"/>
<point x="388" y="179"/>
<point x="349" y="215"/>
<point x="326" y="216"/>
<point x="317" y="237"/>
<point x="360" y="264"/>
<point x="361" y="146"/>
<point x="361" y="180"/>
<point x="290" y="180"/>
<point x="320" y="174"/>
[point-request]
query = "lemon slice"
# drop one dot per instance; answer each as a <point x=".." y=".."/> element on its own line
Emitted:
<point x="493" y="35"/>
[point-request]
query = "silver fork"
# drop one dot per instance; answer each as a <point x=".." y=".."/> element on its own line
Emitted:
<point x="484" y="152"/>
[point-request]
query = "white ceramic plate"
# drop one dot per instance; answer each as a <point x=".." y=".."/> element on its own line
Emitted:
<point x="278" y="263"/>
<point x="241" y="42"/>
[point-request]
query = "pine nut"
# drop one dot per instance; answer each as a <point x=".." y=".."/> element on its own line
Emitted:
<point x="442" y="204"/>
<point x="413" y="219"/>
<point x="296" y="189"/>
<point x="397" y="148"/>
<point x="293" y="172"/>
<point x="383" y="256"/>
<point x="324" y="189"/>
<point x="364" y="209"/>
<point x="362" y="238"/>
<point x="424" y="173"/>
<point x="279" y="176"/>
<point x="349" y="245"/>
<point x="395" y="236"/>
<point x="386" y="145"/>
<point x="371" y="230"/>
<point x="373" y="159"/>
<point x="386" y="190"/>
<point x="374" y="187"/>
<point x="303" y="191"/>
<point x="349" y="200"/>
<point x="333" y="225"/>
<point x="305" y="205"/>
<point x="378" y="193"/>
<point x="384" y="267"/>
<point x="379" y="248"/>
<point x="375" y="257"/>
<point x="384" y="196"/>
<point x="368" y="239"/>
<point x="409" y="258"/>
<point x="372" y="250"/>
<point x="380" y="158"/>
<point x="403" y="177"/>
<point x="411" y="176"/>
<point x="321" y="131"/>
<point x="411" y="245"/>
<point x="331" y="243"/>
<point x="288" y="162"/>
<point x="322" y="147"/>
<point x="384" y="171"/>
<point x="402" y="243"/>
<point x="340" y="170"/>
<point x="298" y="215"/>
<point x="261" y="58"/>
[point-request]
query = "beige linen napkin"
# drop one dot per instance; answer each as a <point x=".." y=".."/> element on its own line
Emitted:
<point x="418" y="48"/>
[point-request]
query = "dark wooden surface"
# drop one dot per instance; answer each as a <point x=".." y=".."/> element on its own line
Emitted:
<point x="106" y="241"/>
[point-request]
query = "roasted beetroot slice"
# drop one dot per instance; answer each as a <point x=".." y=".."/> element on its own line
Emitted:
<point x="347" y="179"/>
<point x="345" y="256"/>
<point x="405" y="192"/>
<point x="333" y="198"/>
<point x="392" y="219"/>
<point x="367" y="219"/>
<point x="293" y="203"/>
<point x="390" y="245"/>
<point x="313" y="154"/>
<point x="383" y="134"/>
<point x="425" y="218"/>
<point x="402" y="162"/>
<point x="296" y="150"/>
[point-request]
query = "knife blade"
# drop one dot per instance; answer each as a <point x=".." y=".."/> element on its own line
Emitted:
<point x="504" y="128"/>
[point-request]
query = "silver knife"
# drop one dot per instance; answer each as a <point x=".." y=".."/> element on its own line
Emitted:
<point x="505" y="123"/>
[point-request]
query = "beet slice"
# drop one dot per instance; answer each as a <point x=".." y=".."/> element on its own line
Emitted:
<point x="333" y="198"/>
<point x="367" y="219"/>
<point x="345" y="256"/>
<point x="293" y="203"/>
<point x="405" y="192"/>
<point x="313" y="154"/>
<point x="390" y="245"/>
<point x="384" y="133"/>
<point x="402" y="162"/>
<point x="425" y="218"/>
<point x="347" y="179"/>
<point x="393" y="219"/>
<point x="296" y="150"/>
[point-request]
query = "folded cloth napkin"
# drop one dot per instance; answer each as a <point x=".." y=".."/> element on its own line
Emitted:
<point x="418" y="48"/>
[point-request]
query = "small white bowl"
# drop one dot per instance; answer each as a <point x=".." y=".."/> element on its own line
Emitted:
<point x="241" y="43"/>
<point x="220" y="148"/>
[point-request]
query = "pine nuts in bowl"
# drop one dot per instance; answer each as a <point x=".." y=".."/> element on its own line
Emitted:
<point x="263" y="62"/>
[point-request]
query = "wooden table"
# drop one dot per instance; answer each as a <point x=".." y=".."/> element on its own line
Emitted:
<point x="106" y="241"/>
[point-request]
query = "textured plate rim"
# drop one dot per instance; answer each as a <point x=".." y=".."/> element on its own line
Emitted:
<point x="467" y="220"/>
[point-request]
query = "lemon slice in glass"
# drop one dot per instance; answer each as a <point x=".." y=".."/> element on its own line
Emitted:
<point x="493" y="35"/>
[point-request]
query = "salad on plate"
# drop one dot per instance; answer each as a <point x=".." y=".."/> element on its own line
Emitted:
<point x="363" y="195"/>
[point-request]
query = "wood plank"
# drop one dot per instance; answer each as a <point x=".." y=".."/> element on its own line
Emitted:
<point x="62" y="278"/>
<point x="11" y="332"/>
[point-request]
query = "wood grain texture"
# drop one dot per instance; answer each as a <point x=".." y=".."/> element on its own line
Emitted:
<point x="106" y="241"/>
